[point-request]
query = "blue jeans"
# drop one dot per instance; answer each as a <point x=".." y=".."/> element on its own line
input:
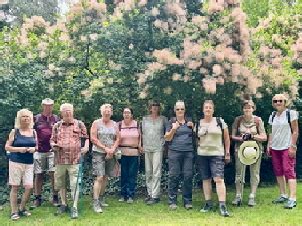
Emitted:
<point x="129" y="170"/>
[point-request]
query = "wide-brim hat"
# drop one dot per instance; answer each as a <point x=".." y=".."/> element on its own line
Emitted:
<point x="249" y="152"/>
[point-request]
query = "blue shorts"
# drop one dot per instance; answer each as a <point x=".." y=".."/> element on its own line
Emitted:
<point x="210" y="166"/>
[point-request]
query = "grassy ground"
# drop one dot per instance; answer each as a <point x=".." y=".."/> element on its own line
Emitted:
<point x="138" y="213"/>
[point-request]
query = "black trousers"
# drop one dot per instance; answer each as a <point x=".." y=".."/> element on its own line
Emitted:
<point x="180" y="167"/>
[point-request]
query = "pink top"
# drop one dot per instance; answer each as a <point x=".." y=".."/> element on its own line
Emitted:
<point x="130" y="138"/>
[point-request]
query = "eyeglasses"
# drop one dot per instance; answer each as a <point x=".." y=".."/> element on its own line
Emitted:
<point x="180" y="109"/>
<point x="276" y="101"/>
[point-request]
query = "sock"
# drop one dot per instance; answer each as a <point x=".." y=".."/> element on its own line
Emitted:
<point x="292" y="199"/>
<point x="221" y="203"/>
<point x="238" y="195"/>
<point x="252" y="195"/>
<point x="284" y="195"/>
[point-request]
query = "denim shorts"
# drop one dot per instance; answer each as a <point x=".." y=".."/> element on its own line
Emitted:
<point x="210" y="166"/>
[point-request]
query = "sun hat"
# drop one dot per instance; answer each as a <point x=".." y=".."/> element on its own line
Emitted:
<point x="249" y="152"/>
<point x="47" y="101"/>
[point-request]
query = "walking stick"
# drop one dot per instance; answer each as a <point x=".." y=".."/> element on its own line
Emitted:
<point x="78" y="189"/>
<point x="242" y="177"/>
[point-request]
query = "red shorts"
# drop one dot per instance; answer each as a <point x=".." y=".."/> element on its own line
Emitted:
<point x="283" y="164"/>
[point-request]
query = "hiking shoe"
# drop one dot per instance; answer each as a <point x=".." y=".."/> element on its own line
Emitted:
<point x="130" y="201"/>
<point x="62" y="209"/>
<point x="55" y="200"/>
<point x="206" y="208"/>
<point x="103" y="202"/>
<point x="96" y="206"/>
<point x="237" y="201"/>
<point x="188" y="206"/>
<point x="24" y="213"/>
<point x="148" y="198"/>
<point x="223" y="211"/>
<point x="122" y="199"/>
<point x="173" y="206"/>
<point x="251" y="202"/>
<point x="153" y="201"/>
<point x="14" y="216"/>
<point x="280" y="199"/>
<point x="37" y="202"/>
<point x="290" y="204"/>
<point x="74" y="213"/>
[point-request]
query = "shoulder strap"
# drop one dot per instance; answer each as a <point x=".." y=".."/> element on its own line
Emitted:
<point x="288" y="119"/>
<point x="219" y="123"/>
<point x="257" y="122"/>
<point x="239" y="119"/>
<point x="273" y="115"/>
<point x="120" y="125"/>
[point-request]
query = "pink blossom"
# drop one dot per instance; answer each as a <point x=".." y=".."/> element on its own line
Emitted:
<point x="176" y="77"/>
<point x="155" y="11"/>
<point x="209" y="85"/>
<point x="217" y="69"/>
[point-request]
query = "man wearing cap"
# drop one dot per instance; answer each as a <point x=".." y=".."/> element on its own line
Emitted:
<point x="44" y="157"/>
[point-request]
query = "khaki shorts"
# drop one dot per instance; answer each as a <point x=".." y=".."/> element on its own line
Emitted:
<point x="104" y="167"/>
<point x="61" y="172"/>
<point x="43" y="162"/>
<point x="20" y="172"/>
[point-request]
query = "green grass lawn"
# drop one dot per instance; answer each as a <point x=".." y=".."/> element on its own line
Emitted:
<point x="265" y="213"/>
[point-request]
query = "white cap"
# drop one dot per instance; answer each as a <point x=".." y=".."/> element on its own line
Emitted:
<point x="47" y="101"/>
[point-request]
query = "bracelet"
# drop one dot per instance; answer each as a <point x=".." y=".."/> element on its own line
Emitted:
<point x="293" y="146"/>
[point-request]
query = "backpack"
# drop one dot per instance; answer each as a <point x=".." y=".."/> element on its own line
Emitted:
<point x="219" y="124"/>
<point x="287" y="116"/>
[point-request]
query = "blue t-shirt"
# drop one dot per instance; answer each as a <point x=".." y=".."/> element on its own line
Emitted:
<point x="22" y="141"/>
<point x="182" y="139"/>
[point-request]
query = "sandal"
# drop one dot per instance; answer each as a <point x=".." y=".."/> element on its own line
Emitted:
<point x="14" y="216"/>
<point x="24" y="213"/>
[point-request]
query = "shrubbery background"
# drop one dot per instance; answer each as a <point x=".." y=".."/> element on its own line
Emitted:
<point x="128" y="52"/>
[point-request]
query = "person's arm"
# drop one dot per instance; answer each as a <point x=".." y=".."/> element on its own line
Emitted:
<point x="117" y="141"/>
<point x="295" y="133"/>
<point x="170" y="133"/>
<point x="235" y="136"/>
<point x="227" y="142"/>
<point x="10" y="141"/>
<point x="84" y="134"/>
<point x="94" y="138"/>
<point x="261" y="137"/>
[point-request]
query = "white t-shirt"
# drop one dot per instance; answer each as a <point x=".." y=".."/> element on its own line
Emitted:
<point x="281" y="132"/>
<point x="210" y="138"/>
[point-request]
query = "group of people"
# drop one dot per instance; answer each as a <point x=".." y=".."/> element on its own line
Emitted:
<point x="46" y="143"/>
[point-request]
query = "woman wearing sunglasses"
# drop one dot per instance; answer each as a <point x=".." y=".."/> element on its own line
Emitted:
<point x="282" y="146"/>
<point x="179" y="133"/>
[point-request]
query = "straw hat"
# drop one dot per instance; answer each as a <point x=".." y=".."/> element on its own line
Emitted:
<point x="249" y="152"/>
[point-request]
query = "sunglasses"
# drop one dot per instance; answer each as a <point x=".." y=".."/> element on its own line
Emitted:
<point x="180" y="109"/>
<point x="276" y="101"/>
<point x="157" y="105"/>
